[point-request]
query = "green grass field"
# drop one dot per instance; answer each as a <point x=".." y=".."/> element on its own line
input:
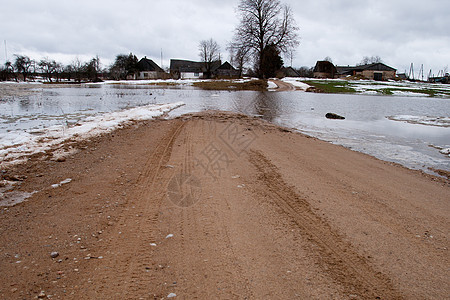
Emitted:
<point x="380" y="88"/>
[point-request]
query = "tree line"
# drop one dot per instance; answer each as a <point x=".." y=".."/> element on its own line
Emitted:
<point x="24" y="68"/>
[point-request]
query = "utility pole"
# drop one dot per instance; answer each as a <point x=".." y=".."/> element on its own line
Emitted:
<point x="411" y="71"/>
<point x="162" y="60"/>
<point x="421" y="71"/>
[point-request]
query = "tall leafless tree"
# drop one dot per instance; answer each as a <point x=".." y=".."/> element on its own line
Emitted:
<point x="264" y="23"/>
<point x="209" y="52"/>
<point x="239" y="57"/>
<point x="76" y="67"/>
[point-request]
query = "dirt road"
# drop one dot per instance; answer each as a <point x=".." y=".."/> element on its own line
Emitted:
<point x="221" y="206"/>
<point x="283" y="86"/>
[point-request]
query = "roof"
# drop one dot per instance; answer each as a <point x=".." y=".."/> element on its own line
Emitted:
<point x="290" y="71"/>
<point x="226" y="66"/>
<point x="187" y="66"/>
<point x="146" y="64"/>
<point x="372" y="67"/>
<point x="342" y="70"/>
<point x="324" y="67"/>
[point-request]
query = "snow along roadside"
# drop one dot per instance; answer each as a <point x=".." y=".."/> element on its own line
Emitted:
<point x="16" y="147"/>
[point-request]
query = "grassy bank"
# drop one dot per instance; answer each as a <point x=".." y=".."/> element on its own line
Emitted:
<point x="331" y="87"/>
<point x="254" y="85"/>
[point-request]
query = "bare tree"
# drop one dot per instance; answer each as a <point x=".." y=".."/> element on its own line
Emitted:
<point x="328" y="59"/>
<point x="76" y="68"/>
<point x="209" y="52"/>
<point x="49" y="67"/>
<point x="92" y="69"/>
<point x="23" y="64"/>
<point x="264" y="23"/>
<point x="290" y="54"/>
<point x="59" y="69"/>
<point x="370" y="60"/>
<point x="239" y="57"/>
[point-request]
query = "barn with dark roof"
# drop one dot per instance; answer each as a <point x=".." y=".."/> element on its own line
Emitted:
<point x="376" y="71"/>
<point x="324" y="69"/>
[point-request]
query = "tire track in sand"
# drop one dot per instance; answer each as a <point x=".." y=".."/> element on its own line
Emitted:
<point x="335" y="256"/>
<point x="201" y="258"/>
<point x="126" y="272"/>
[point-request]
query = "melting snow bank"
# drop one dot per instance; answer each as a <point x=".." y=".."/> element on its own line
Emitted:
<point x="271" y="85"/>
<point x="21" y="144"/>
<point x="423" y="120"/>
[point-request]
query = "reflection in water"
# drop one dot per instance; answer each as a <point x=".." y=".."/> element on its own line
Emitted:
<point x="267" y="105"/>
<point x="365" y="129"/>
<point x="24" y="104"/>
<point x="264" y="104"/>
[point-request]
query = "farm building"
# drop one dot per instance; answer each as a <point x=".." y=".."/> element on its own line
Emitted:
<point x="289" y="72"/>
<point x="324" y="69"/>
<point x="376" y="71"/>
<point x="148" y="69"/>
<point x="226" y="70"/>
<point x="185" y="69"/>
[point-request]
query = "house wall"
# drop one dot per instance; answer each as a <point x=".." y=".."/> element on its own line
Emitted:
<point x="322" y="75"/>
<point x="386" y="74"/>
<point x="148" y="75"/>
<point x="188" y="75"/>
<point x="227" y="73"/>
<point x="131" y="77"/>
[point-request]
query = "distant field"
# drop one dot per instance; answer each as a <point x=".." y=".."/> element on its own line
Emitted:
<point x="395" y="88"/>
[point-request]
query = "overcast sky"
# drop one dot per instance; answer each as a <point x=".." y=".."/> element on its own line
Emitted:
<point x="401" y="32"/>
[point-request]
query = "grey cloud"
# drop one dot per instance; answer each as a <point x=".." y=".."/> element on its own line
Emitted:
<point x="399" y="31"/>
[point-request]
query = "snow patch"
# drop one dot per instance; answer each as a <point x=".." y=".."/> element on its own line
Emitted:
<point x="297" y="83"/>
<point x="445" y="151"/>
<point x="271" y="85"/>
<point x="15" y="145"/>
<point x="422" y="120"/>
<point x="409" y="94"/>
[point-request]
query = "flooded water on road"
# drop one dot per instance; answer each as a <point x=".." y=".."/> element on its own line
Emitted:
<point x="388" y="127"/>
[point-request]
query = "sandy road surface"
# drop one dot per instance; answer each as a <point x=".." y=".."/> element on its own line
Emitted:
<point x="219" y="206"/>
<point x="283" y="86"/>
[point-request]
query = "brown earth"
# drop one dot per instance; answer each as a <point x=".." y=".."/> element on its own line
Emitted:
<point x="223" y="206"/>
